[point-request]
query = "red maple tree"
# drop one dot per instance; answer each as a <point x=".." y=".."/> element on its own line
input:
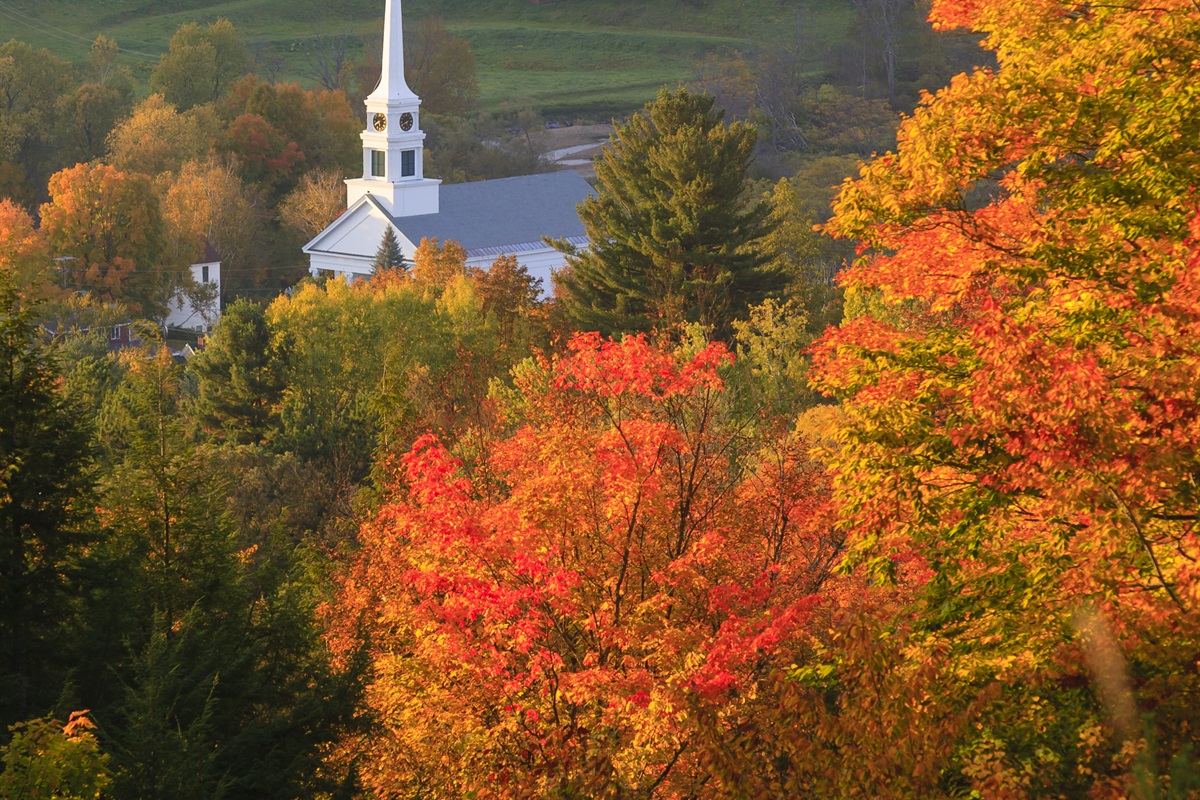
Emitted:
<point x="626" y="559"/>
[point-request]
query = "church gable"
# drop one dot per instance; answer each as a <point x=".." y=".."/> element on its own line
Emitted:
<point x="355" y="233"/>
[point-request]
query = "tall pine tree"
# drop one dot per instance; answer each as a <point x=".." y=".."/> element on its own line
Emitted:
<point x="211" y="678"/>
<point x="241" y="376"/>
<point x="673" y="238"/>
<point x="44" y="480"/>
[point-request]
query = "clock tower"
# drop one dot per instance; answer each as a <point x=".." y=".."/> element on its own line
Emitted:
<point x="393" y="142"/>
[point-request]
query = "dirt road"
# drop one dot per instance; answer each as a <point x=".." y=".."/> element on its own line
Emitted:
<point x="574" y="147"/>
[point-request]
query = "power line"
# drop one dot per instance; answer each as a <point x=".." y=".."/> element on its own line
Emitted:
<point x="268" y="268"/>
<point x="20" y="21"/>
<point x="224" y="269"/>
<point x="46" y="29"/>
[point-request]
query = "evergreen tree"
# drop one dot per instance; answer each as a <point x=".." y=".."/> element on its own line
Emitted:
<point x="389" y="256"/>
<point x="44" y="453"/>
<point x="673" y="238"/>
<point x="213" y="678"/>
<point x="240" y="375"/>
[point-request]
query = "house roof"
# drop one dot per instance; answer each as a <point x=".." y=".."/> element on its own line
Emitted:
<point x="211" y="256"/>
<point x="504" y="215"/>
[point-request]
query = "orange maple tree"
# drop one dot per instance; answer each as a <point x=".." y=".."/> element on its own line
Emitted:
<point x="621" y="564"/>
<point x="23" y="254"/>
<point x="108" y="227"/>
<point x="436" y="264"/>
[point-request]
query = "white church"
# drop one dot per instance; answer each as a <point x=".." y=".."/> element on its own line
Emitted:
<point x="508" y="216"/>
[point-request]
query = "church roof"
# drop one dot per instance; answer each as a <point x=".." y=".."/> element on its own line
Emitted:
<point x="506" y="215"/>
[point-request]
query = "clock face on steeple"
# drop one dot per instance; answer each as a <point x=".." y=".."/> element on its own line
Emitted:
<point x="380" y="122"/>
<point x="406" y="121"/>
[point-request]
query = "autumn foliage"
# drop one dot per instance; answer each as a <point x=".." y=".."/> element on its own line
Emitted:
<point x="555" y="623"/>
<point x="1020" y="388"/>
<point x="108" y="224"/>
<point x="364" y="544"/>
<point x="24" y="260"/>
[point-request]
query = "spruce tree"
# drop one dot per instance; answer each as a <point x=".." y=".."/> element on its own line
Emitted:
<point x="673" y="237"/>
<point x="389" y="256"/>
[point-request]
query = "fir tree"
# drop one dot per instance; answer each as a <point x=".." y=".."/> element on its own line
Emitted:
<point x="673" y="238"/>
<point x="389" y="256"/>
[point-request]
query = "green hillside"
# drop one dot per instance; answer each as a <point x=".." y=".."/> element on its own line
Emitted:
<point x="567" y="57"/>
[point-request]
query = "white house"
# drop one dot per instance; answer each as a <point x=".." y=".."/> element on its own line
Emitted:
<point x="508" y="216"/>
<point x="198" y="308"/>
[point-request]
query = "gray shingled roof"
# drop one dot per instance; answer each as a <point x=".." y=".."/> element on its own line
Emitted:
<point x="504" y="213"/>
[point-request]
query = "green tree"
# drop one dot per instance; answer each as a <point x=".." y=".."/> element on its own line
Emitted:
<point x="200" y="64"/>
<point x="771" y="372"/>
<point x="374" y="364"/>
<point x="810" y="259"/>
<point x="16" y="185"/>
<point x="105" y="70"/>
<point x="31" y="81"/>
<point x="240" y="375"/>
<point x="673" y="238"/>
<point x="389" y="256"/>
<point x="44" y="478"/>
<point x="86" y="116"/>
<point x="222" y="688"/>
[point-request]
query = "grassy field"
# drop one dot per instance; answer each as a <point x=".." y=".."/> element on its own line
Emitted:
<point x="570" y="58"/>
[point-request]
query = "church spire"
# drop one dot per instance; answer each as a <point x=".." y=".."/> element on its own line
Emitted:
<point x="393" y="142"/>
<point x="392" y="85"/>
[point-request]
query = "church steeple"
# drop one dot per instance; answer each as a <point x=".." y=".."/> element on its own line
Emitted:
<point x="393" y="142"/>
<point x="392" y="85"/>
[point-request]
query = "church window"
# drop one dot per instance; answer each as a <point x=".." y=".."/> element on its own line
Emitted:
<point x="378" y="164"/>
<point x="408" y="163"/>
<point x="204" y="274"/>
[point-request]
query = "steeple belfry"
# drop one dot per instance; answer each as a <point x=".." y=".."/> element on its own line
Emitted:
<point x="393" y="142"/>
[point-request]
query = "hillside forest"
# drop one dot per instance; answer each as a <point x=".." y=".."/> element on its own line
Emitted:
<point x="855" y="458"/>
